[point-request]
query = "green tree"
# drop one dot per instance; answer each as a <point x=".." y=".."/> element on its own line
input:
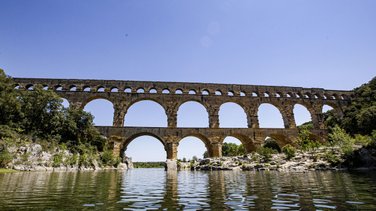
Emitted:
<point x="10" y="107"/>
<point x="360" y="116"/>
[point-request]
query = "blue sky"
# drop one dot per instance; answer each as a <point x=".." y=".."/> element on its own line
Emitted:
<point x="317" y="43"/>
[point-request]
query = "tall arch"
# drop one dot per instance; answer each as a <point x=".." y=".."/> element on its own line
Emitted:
<point x="146" y="113"/>
<point x="144" y="147"/>
<point x="232" y="115"/>
<point x="269" y="116"/>
<point x="65" y="103"/>
<point x="102" y="110"/>
<point x="301" y="114"/>
<point x="229" y="148"/>
<point x="326" y="108"/>
<point x="192" y="114"/>
<point x="192" y="145"/>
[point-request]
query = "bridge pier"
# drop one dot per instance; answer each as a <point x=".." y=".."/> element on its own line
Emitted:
<point x="116" y="143"/>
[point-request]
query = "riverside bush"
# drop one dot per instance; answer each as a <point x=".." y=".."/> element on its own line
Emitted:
<point x="289" y="151"/>
<point x="5" y="158"/>
<point x="266" y="152"/>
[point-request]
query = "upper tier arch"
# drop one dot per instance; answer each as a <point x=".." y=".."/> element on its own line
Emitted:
<point x="80" y="92"/>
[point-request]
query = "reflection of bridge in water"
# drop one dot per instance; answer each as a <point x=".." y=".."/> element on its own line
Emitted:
<point x="171" y="95"/>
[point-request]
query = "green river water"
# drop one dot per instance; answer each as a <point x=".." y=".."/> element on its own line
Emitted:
<point x="155" y="189"/>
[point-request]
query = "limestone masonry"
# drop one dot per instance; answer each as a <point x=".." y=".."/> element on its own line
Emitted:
<point x="170" y="95"/>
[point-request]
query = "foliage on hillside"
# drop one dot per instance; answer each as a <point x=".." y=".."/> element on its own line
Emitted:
<point x="40" y="116"/>
<point x="360" y="116"/>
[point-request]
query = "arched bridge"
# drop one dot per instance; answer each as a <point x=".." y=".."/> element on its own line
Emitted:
<point x="170" y="95"/>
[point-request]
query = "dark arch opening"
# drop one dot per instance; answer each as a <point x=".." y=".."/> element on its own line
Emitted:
<point x="269" y="116"/>
<point x="271" y="143"/>
<point x="192" y="114"/>
<point x="232" y="115"/>
<point x="102" y="110"/>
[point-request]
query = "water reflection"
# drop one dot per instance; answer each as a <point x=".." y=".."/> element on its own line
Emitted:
<point x="219" y="190"/>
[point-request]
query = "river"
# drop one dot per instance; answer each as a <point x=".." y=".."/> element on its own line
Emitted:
<point x="186" y="190"/>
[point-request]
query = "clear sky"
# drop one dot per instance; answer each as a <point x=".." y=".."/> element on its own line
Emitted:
<point x="317" y="43"/>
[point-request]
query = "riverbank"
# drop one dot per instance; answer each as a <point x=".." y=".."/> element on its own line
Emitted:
<point x="28" y="156"/>
<point x="4" y="171"/>
<point x="323" y="158"/>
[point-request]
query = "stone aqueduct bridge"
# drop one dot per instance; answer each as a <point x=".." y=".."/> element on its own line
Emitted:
<point x="170" y="95"/>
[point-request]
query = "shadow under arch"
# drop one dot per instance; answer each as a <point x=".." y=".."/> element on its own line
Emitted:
<point x="247" y="142"/>
<point x="128" y="140"/>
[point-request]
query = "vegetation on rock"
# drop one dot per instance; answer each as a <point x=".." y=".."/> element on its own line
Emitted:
<point x="38" y="116"/>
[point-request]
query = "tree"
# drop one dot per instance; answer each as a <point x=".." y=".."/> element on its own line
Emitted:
<point x="10" y="107"/>
<point x="360" y="116"/>
<point x="231" y="149"/>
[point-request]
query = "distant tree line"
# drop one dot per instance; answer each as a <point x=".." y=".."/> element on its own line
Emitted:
<point x="148" y="164"/>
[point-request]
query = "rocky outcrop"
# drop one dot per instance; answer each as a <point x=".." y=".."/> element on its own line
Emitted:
<point x="32" y="157"/>
<point x="320" y="159"/>
<point x="362" y="158"/>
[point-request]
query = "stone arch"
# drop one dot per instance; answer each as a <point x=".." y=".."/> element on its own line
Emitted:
<point x="128" y="140"/>
<point x="145" y="106"/>
<point x="200" y="137"/>
<point x="100" y="89"/>
<point x="114" y="89"/>
<point x="179" y="91"/>
<point x="246" y="141"/>
<point x="192" y="105"/>
<point x="146" y="99"/>
<point x="336" y="108"/>
<point x="281" y="139"/>
<point x="65" y="102"/>
<point x="73" y="88"/>
<point x="140" y="90"/>
<point x="103" y="116"/>
<point x="268" y="110"/>
<point x="300" y="113"/>
<point x="92" y="98"/>
<point x="238" y="113"/>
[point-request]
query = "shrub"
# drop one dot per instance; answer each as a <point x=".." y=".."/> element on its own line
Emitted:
<point x="272" y="144"/>
<point x="331" y="158"/>
<point x="266" y="152"/>
<point x="5" y="158"/>
<point x="108" y="158"/>
<point x="304" y="139"/>
<point x="289" y="151"/>
<point x="57" y="160"/>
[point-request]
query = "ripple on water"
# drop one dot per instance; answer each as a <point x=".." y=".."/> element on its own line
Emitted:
<point x="155" y="189"/>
